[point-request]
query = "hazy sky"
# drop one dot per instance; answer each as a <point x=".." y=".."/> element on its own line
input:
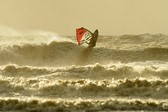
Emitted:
<point x="111" y="17"/>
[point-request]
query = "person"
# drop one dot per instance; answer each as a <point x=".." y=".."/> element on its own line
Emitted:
<point x="93" y="40"/>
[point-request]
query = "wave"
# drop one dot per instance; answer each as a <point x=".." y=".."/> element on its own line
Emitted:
<point x="64" y="52"/>
<point x="118" y="80"/>
<point x="133" y="42"/>
<point x="54" y="53"/>
<point x="85" y="81"/>
<point x="81" y="105"/>
<point x="97" y="95"/>
<point x="104" y="55"/>
<point x="8" y="89"/>
<point x="141" y="88"/>
<point x="97" y="71"/>
<point x="68" y="53"/>
<point x="24" y="71"/>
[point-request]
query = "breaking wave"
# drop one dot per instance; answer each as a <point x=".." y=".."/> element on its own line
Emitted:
<point x="141" y="88"/>
<point x="81" y="104"/>
<point x="97" y="71"/>
<point x="43" y="54"/>
<point x="68" y="53"/>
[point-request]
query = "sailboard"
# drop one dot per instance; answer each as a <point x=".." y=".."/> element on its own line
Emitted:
<point x="83" y="36"/>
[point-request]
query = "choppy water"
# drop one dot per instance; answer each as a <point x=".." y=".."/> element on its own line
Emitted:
<point x="52" y="73"/>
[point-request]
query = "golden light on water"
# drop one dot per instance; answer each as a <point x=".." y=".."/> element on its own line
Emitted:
<point x="42" y="67"/>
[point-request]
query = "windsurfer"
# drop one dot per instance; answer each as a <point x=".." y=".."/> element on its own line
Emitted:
<point x="93" y="40"/>
<point x="84" y="36"/>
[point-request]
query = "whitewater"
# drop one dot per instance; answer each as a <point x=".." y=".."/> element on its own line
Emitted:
<point x="49" y="73"/>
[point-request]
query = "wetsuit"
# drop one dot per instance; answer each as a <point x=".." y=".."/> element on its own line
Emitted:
<point x="94" y="38"/>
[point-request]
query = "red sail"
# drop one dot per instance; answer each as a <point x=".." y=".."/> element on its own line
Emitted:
<point x="79" y="34"/>
<point x="83" y="36"/>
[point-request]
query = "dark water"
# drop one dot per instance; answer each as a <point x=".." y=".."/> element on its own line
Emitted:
<point x="52" y="73"/>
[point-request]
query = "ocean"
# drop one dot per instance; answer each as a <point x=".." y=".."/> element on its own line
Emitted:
<point x="51" y="73"/>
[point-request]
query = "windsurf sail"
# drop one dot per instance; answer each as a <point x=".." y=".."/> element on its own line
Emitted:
<point x="83" y="36"/>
